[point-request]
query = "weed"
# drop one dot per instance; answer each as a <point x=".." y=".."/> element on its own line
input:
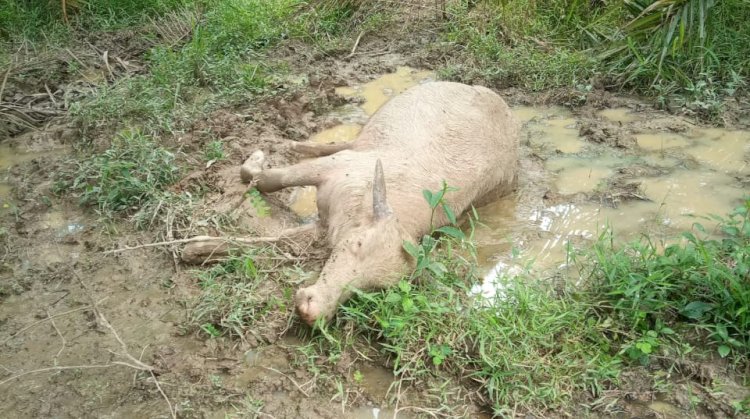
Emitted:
<point x="214" y="151"/>
<point x="244" y="294"/>
<point x="122" y="178"/>
<point x="257" y="201"/>
<point x="702" y="283"/>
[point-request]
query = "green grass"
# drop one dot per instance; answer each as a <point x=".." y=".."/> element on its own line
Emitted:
<point x="691" y="53"/>
<point x="39" y="19"/>
<point x="541" y="346"/>
<point x="249" y="294"/>
<point x="701" y="284"/>
<point x="122" y="179"/>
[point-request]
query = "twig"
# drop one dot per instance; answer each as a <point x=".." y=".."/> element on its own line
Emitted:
<point x="398" y="398"/>
<point x="5" y="80"/>
<point x="74" y="57"/>
<point x="106" y="64"/>
<point x="62" y="347"/>
<point x="51" y="96"/>
<point x="244" y="240"/>
<point x="356" y="44"/>
<point x="166" y="399"/>
<point x="62" y="368"/>
<point x="290" y="379"/>
<point x="44" y="320"/>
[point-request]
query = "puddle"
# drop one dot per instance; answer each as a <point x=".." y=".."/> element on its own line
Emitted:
<point x="692" y="192"/>
<point x="661" y="141"/>
<point x="343" y="133"/>
<point x="558" y="132"/>
<point x="619" y="115"/>
<point x="536" y="237"/>
<point x="578" y="175"/>
<point x="379" y="91"/>
<point x="722" y="150"/>
<point x="9" y="157"/>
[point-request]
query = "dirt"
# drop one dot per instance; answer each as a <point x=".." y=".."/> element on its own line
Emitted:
<point x="80" y="327"/>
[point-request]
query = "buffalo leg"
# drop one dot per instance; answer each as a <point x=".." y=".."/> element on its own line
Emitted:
<point x="308" y="173"/>
<point x="318" y="150"/>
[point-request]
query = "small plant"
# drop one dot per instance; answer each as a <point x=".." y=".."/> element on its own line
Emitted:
<point x="122" y="178"/>
<point x="214" y="151"/>
<point x="241" y="293"/>
<point x="257" y="201"/>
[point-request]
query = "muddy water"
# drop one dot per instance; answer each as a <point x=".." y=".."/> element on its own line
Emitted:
<point x="686" y="175"/>
<point x="10" y="157"/>
<point x="681" y="176"/>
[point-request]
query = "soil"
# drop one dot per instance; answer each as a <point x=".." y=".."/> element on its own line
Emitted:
<point x="89" y="334"/>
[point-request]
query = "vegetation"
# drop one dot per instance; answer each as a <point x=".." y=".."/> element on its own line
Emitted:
<point x="535" y="344"/>
<point x="123" y="177"/>
<point x="684" y="52"/>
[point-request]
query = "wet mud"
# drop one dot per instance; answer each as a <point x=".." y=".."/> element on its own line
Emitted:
<point x="75" y="322"/>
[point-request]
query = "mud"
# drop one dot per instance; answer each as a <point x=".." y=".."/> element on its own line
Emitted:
<point x="613" y="162"/>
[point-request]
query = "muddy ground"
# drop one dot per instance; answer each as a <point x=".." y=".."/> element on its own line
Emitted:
<point x="84" y="333"/>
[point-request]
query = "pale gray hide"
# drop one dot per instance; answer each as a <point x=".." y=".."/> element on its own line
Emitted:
<point x="465" y="135"/>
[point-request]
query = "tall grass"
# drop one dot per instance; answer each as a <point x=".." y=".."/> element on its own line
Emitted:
<point x="536" y="345"/>
<point x="39" y="19"/>
<point x="693" y="51"/>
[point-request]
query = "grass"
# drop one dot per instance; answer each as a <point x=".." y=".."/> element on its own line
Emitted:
<point x="690" y="53"/>
<point x="123" y="178"/>
<point x="703" y="284"/>
<point x="537" y="346"/>
<point x="248" y="294"/>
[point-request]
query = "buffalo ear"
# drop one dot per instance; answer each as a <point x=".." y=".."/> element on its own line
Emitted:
<point x="380" y="207"/>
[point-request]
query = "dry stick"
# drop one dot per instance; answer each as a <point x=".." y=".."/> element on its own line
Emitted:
<point x="5" y="80"/>
<point x="242" y="240"/>
<point x="51" y="96"/>
<point x="171" y="409"/>
<point x="44" y="320"/>
<point x="106" y="63"/>
<point x="356" y="44"/>
<point x="62" y="347"/>
<point x="290" y="379"/>
<point x="63" y="368"/>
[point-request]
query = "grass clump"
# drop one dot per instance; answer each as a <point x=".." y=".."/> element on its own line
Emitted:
<point x="691" y="53"/>
<point x="703" y="283"/>
<point x="123" y="178"/>
<point x="35" y="19"/>
<point x="536" y="345"/>
<point x="248" y="293"/>
<point x="220" y="63"/>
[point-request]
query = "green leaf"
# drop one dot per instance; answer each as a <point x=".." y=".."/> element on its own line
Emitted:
<point x="411" y="249"/>
<point x="452" y="231"/>
<point x="407" y="304"/>
<point x="393" y="298"/>
<point x="724" y="351"/>
<point x="250" y="270"/>
<point x="644" y="347"/>
<point x="449" y="213"/>
<point x="427" y="196"/>
<point x="696" y="309"/>
<point x="404" y="286"/>
<point x="437" y="268"/>
<point x="436" y="198"/>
